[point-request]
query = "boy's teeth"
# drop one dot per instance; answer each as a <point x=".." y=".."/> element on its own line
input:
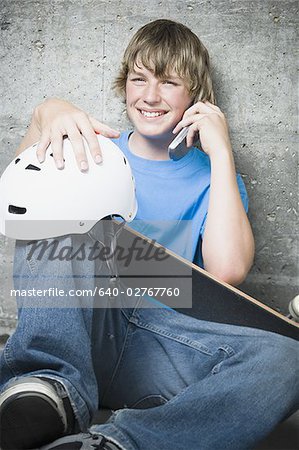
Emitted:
<point x="151" y="114"/>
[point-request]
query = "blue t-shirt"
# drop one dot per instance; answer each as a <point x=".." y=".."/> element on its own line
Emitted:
<point x="173" y="199"/>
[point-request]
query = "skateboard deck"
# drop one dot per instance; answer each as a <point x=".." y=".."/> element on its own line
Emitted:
<point x="145" y="266"/>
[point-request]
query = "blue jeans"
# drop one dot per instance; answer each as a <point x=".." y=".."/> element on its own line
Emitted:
<point x="174" y="382"/>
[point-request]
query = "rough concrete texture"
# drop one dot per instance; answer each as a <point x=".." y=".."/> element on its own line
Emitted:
<point x="72" y="49"/>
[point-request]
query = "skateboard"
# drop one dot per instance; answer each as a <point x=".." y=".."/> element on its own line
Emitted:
<point x="147" y="268"/>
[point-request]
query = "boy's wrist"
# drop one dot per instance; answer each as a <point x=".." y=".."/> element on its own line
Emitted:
<point x="222" y="153"/>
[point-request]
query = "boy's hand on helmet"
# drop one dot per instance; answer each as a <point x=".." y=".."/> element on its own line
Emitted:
<point x="208" y="123"/>
<point x="57" y="118"/>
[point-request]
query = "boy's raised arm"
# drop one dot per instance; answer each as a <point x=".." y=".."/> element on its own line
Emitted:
<point x="228" y="244"/>
<point x="55" y="118"/>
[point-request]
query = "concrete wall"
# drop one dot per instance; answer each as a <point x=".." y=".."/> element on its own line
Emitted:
<point x="71" y="49"/>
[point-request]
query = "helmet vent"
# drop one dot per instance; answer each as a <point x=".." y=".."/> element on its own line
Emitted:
<point x="17" y="160"/>
<point x="16" y="209"/>
<point x="125" y="161"/>
<point x="32" y="167"/>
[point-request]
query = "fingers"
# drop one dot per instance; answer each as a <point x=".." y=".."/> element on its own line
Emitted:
<point x="201" y="108"/>
<point x="78" y="127"/>
<point x="92" y="141"/>
<point x="103" y="129"/>
<point x="193" y="131"/>
<point x="195" y="111"/>
<point x="93" y="144"/>
<point x="216" y="108"/>
<point x="56" y="145"/>
<point x="189" y="120"/>
<point x="78" y="147"/>
<point x="42" y="146"/>
<point x="191" y="136"/>
<point x="87" y="132"/>
<point x="194" y="123"/>
<point x="89" y="127"/>
<point x="56" y="137"/>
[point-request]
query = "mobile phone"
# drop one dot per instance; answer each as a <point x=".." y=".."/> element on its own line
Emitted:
<point x="176" y="150"/>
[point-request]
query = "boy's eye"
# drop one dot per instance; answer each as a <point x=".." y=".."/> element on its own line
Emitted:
<point x="169" y="82"/>
<point x="137" y="79"/>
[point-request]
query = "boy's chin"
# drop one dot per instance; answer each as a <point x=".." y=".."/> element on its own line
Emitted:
<point x="154" y="133"/>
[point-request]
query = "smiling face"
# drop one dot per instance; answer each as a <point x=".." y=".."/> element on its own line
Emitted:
<point x="155" y="105"/>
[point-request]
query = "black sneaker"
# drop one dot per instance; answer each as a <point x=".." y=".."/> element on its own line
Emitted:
<point x="82" y="441"/>
<point x="33" y="412"/>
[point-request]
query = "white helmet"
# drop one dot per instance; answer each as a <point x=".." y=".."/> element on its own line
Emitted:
<point x="38" y="201"/>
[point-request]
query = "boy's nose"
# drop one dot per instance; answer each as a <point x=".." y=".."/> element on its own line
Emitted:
<point x="151" y="94"/>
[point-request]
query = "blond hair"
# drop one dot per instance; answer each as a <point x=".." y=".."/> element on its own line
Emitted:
<point x="164" y="46"/>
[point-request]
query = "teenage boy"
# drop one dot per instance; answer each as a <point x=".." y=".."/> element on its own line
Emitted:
<point x="174" y="381"/>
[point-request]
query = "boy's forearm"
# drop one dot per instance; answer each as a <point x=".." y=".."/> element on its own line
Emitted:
<point x="228" y="244"/>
